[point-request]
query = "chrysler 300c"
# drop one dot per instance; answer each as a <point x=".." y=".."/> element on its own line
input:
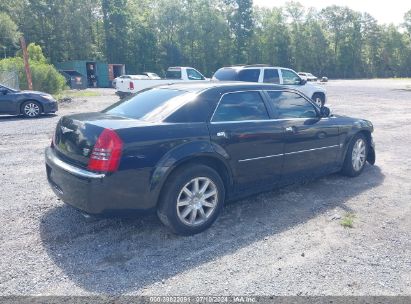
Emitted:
<point x="184" y="149"/>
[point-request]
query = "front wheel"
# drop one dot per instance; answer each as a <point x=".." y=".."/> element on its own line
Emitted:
<point x="356" y="157"/>
<point x="31" y="109"/>
<point x="192" y="199"/>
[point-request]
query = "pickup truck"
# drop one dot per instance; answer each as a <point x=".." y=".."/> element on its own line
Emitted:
<point x="275" y="75"/>
<point x="173" y="75"/>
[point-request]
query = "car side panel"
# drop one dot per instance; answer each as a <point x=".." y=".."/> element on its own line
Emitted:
<point x="313" y="147"/>
<point x="162" y="148"/>
<point x="254" y="151"/>
<point x="9" y="104"/>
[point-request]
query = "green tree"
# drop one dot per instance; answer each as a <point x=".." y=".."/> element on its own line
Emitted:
<point x="275" y="37"/>
<point x="240" y="17"/>
<point x="116" y="24"/>
<point x="9" y="33"/>
<point x="407" y="21"/>
<point x="45" y="77"/>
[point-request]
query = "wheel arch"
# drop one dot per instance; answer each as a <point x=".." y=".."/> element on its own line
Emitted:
<point x="20" y="107"/>
<point x="322" y="94"/>
<point x="214" y="162"/>
<point x="367" y="134"/>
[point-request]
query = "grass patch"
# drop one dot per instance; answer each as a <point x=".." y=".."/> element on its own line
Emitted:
<point x="76" y="94"/>
<point x="348" y="220"/>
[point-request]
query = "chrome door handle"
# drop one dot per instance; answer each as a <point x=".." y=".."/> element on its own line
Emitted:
<point x="222" y="134"/>
<point x="290" y="129"/>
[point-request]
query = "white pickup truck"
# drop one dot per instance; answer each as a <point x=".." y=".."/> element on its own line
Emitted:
<point x="173" y="75"/>
<point x="277" y="75"/>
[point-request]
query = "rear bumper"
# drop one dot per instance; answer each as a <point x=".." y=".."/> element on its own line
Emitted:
<point x="97" y="193"/>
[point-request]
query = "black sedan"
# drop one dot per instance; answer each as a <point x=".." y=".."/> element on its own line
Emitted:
<point x="185" y="149"/>
<point x="28" y="103"/>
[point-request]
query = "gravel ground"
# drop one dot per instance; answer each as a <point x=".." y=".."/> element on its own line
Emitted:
<point x="286" y="242"/>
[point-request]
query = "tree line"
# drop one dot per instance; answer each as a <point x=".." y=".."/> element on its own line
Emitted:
<point x="150" y="35"/>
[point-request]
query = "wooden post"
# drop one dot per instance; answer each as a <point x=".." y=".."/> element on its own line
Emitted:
<point x="26" y="63"/>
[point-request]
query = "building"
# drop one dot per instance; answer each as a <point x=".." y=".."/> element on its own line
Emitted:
<point x="98" y="74"/>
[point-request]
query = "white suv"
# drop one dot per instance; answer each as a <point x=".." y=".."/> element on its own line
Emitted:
<point x="276" y="75"/>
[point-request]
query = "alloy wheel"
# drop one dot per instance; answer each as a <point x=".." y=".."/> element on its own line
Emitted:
<point x="358" y="154"/>
<point x="197" y="201"/>
<point x="31" y="109"/>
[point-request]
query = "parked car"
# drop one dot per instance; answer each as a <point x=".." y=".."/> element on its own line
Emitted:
<point x="173" y="75"/>
<point x="276" y="75"/>
<point x="308" y="76"/>
<point x="185" y="149"/>
<point x="28" y="103"/>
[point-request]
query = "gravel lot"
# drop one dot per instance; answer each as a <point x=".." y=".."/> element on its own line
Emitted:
<point x="286" y="242"/>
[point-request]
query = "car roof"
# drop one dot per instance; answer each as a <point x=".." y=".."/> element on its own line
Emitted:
<point x="254" y="66"/>
<point x="196" y="87"/>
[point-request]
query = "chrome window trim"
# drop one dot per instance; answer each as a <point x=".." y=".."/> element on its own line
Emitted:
<point x="262" y="91"/>
<point x="288" y="153"/>
<point x="241" y="121"/>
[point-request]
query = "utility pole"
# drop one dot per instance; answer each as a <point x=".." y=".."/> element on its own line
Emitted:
<point x="26" y="63"/>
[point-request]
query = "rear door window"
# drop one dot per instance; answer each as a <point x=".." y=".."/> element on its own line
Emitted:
<point x="249" y="75"/>
<point x="241" y="106"/>
<point x="291" y="105"/>
<point x="271" y="76"/>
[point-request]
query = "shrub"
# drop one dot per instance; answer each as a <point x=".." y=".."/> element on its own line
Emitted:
<point x="45" y="77"/>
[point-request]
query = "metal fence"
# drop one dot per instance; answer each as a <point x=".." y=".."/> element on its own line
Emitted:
<point x="10" y="79"/>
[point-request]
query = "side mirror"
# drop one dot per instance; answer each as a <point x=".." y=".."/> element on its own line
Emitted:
<point x="303" y="81"/>
<point x="4" y="91"/>
<point x="325" y="112"/>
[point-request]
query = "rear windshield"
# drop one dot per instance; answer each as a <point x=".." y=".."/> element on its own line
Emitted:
<point x="151" y="105"/>
<point x="226" y="74"/>
<point x="173" y="74"/>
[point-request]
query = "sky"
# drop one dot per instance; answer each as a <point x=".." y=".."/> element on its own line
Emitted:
<point x="385" y="11"/>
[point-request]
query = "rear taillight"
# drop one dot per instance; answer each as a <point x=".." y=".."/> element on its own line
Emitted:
<point x="131" y="85"/>
<point x="106" y="153"/>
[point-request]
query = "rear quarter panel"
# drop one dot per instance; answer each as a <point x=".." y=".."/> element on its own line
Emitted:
<point x="158" y="149"/>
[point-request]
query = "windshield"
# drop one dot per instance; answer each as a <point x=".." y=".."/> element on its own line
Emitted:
<point x="151" y="104"/>
<point x="7" y="88"/>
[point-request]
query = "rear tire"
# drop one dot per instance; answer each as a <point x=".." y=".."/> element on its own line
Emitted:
<point x="319" y="99"/>
<point x="356" y="156"/>
<point x="192" y="199"/>
<point x="31" y="109"/>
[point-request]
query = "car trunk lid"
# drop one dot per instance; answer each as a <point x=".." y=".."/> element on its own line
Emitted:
<point x="76" y="135"/>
